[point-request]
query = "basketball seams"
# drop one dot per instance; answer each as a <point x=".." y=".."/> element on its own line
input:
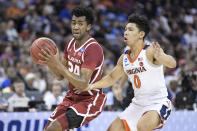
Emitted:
<point x="40" y="44"/>
<point x="52" y="44"/>
<point x="37" y="45"/>
<point x="35" y="58"/>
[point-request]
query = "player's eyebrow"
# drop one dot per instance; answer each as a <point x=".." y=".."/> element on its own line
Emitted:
<point x="78" y="20"/>
<point x="81" y="21"/>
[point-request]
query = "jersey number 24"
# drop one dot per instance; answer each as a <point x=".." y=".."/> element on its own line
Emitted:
<point x="73" y="68"/>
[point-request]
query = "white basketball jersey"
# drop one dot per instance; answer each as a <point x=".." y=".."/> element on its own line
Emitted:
<point x="147" y="79"/>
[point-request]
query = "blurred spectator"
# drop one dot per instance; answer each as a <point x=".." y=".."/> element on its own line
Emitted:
<point x="13" y="11"/>
<point x="3" y="102"/>
<point x="30" y="79"/>
<point x="11" y="31"/>
<point x="4" y="82"/>
<point x="110" y="101"/>
<point x="54" y="97"/>
<point x="189" y="37"/>
<point x="18" y="100"/>
<point x="39" y="83"/>
<point x="173" y="89"/>
<point x="194" y="85"/>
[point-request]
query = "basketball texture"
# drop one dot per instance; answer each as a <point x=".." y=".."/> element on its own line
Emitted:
<point x="42" y="43"/>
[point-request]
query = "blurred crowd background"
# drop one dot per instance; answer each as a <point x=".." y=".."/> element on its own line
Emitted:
<point x="26" y="86"/>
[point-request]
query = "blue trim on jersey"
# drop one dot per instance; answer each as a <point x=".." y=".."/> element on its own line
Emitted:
<point x="169" y="94"/>
<point x="145" y="47"/>
<point x="126" y="52"/>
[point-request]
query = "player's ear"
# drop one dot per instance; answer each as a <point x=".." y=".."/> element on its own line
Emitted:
<point x="89" y="27"/>
<point x="142" y="34"/>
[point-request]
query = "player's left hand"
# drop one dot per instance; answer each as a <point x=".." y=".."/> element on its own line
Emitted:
<point x="48" y="58"/>
<point x="156" y="50"/>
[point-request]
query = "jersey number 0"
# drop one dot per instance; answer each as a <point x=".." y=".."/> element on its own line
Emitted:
<point x="137" y="81"/>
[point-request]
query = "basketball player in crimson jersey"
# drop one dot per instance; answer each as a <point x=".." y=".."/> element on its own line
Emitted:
<point x="143" y="65"/>
<point x="82" y="65"/>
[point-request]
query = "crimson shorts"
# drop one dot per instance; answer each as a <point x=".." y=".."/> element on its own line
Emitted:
<point x="89" y="107"/>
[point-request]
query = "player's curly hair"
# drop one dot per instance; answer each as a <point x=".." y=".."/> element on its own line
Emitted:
<point x="84" y="11"/>
<point x="141" y="22"/>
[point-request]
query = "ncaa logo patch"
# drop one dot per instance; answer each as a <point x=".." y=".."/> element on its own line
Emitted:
<point x="125" y="60"/>
<point x="82" y="49"/>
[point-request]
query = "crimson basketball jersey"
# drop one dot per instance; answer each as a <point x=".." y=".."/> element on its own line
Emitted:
<point x="88" y="55"/>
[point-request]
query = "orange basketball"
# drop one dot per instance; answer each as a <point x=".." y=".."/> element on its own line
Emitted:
<point x="41" y="43"/>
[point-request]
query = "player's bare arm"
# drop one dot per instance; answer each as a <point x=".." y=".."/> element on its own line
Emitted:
<point x="54" y="62"/>
<point x="157" y="56"/>
<point x="109" y="79"/>
<point x="117" y="88"/>
<point x="57" y="75"/>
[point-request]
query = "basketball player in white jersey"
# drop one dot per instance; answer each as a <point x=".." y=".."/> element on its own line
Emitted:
<point x="143" y="64"/>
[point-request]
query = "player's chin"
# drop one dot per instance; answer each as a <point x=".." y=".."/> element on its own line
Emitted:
<point x="76" y="36"/>
<point x="126" y="43"/>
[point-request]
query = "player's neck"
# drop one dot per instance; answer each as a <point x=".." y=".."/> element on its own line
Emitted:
<point x="135" y="49"/>
<point x="80" y="42"/>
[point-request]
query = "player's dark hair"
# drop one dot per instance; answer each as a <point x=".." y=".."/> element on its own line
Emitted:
<point x="141" y="22"/>
<point x="84" y="11"/>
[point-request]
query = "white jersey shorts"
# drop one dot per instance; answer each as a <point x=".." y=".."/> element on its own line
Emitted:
<point x="134" y="112"/>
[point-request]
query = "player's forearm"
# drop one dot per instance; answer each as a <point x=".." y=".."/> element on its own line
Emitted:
<point x="77" y="81"/>
<point x="107" y="81"/>
<point x="56" y="73"/>
<point x="167" y="60"/>
<point x="123" y="80"/>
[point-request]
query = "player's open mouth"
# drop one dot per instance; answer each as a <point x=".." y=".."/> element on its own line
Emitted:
<point x="125" y="39"/>
<point x="76" y="34"/>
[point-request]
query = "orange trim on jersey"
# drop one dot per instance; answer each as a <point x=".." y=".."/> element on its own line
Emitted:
<point x="126" y="125"/>
<point x="128" y="55"/>
<point x="161" y="125"/>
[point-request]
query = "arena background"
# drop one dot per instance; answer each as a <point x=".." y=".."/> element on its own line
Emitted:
<point x="173" y="25"/>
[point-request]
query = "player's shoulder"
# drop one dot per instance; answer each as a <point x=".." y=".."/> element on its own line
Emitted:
<point x="92" y="40"/>
<point x="71" y="40"/>
<point x="93" y="44"/>
<point x="120" y="60"/>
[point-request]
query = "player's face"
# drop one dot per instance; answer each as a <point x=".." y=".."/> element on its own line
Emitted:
<point x="79" y="27"/>
<point x="132" y="34"/>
